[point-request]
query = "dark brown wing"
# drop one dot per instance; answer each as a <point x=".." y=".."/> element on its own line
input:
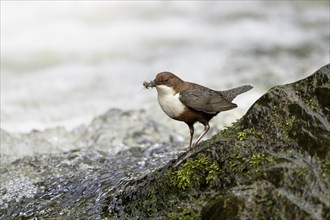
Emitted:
<point x="205" y="100"/>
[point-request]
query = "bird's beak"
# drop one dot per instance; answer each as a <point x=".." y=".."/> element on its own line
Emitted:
<point x="153" y="83"/>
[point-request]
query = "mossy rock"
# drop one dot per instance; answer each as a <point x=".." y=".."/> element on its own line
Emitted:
<point x="274" y="163"/>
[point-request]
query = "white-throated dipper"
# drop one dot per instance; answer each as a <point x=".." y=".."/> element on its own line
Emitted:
<point x="190" y="102"/>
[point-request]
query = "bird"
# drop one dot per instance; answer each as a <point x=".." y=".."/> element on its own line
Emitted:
<point x="191" y="102"/>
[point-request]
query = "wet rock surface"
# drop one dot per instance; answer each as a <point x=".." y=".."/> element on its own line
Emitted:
<point x="274" y="163"/>
<point x="65" y="174"/>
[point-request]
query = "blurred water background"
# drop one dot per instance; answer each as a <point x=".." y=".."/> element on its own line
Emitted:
<point x="76" y="123"/>
<point x="65" y="62"/>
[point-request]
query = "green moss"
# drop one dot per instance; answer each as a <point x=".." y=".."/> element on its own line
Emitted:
<point x="258" y="159"/>
<point x="267" y="204"/>
<point x="241" y="136"/>
<point x="326" y="168"/>
<point x="227" y="132"/>
<point x="284" y="126"/>
<point x="203" y="172"/>
<point x="236" y="163"/>
<point x="195" y="172"/>
<point x="312" y="104"/>
<point x="241" y="167"/>
<point x="239" y="133"/>
<point x="248" y="133"/>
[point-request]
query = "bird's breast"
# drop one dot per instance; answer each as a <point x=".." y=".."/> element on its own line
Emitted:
<point x="169" y="101"/>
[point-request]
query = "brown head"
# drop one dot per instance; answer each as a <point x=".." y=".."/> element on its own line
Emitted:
<point x="167" y="79"/>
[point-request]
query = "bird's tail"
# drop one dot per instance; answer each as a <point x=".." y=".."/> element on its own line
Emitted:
<point x="232" y="93"/>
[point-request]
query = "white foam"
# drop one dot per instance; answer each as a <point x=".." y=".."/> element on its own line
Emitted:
<point x="63" y="63"/>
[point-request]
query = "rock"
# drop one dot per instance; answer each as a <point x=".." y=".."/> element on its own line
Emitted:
<point x="61" y="174"/>
<point x="274" y="163"/>
<point x="298" y="111"/>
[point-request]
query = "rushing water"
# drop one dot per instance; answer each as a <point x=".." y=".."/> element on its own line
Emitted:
<point x="63" y="63"/>
<point x="66" y="63"/>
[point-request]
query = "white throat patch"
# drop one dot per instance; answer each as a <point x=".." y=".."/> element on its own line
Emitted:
<point x="169" y="101"/>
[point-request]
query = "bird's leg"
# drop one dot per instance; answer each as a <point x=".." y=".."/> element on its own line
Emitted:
<point x="206" y="129"/>
<point x="191" y="129"/>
